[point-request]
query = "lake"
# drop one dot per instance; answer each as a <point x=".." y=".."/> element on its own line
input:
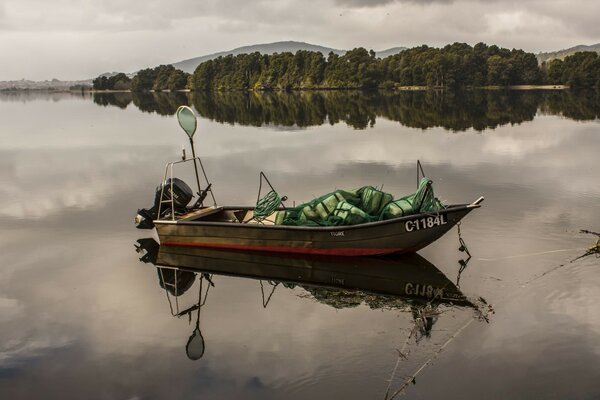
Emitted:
<point x="81" y="316"/>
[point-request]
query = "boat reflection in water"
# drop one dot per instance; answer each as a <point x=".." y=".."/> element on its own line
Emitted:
<point x="405" y="282"/>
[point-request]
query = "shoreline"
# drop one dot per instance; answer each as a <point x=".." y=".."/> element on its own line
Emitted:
<point x="387" y="89"/>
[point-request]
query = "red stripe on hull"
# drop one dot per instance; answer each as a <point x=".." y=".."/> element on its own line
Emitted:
<point x="347" y="251"/>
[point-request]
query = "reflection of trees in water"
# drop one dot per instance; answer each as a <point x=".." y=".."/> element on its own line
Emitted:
<point x="160" y="103"/>
<point x="581" y="105"/>
<point x="120" y="100"/>
<point x="479" y="110"/>
<point x="25" y="96"/>
<point x="257" y="109"/>
<point x="456" y="111"/>
<point x="420" y="109"/>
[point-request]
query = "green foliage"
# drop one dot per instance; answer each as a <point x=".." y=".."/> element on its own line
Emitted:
<point x="163" y="73"/>
<point x="580" y="70"/>
<point x="455" y="65"/>
<point x="163" y="77"/>
<point x="177" y="80"/>
<point x="143" y="81"/>
<point x="100" y="83"/>
<point x="118" y="81"/>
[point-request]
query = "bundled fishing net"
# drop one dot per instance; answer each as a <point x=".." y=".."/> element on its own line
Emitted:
<point x="353" y="207"/>
<point x="423" y="200"/>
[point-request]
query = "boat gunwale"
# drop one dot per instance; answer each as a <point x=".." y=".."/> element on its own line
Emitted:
<point x="448" y="210"/>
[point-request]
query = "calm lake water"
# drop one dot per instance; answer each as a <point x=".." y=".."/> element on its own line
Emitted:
<point x="82" y="317"/>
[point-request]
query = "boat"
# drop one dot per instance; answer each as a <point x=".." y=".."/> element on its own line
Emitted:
<point x="240" y="228"/>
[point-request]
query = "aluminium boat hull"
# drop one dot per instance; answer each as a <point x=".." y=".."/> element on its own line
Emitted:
<point x="399" y="235"/>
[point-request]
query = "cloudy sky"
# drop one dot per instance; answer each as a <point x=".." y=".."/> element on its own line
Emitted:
<point x="79" y="39"/>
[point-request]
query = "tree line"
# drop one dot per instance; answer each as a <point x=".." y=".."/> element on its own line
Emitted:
<point x="163" y="77"/>
<point x="457" y="65"/>
<point x="580" y="70"/>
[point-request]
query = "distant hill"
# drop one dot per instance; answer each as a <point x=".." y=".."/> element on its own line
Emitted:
<point x="561" y="54"/>
<point x="265" y="48"/>
<point x="390" y="52"/>
<point x="270" y="48"/>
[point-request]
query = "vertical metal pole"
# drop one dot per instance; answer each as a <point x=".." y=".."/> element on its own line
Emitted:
<point x="195" y="166"/>
<point x="172" y="196"/>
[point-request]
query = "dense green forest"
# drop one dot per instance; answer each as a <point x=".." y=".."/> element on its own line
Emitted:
<point x="163" y="77"/>
<point x="119" y="81"/>
<point x="579" y="70"/>
<point x="452" y="110"/>
<point x="457" y="65"/>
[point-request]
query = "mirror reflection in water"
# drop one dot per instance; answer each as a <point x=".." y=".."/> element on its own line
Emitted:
<point x="407" y="283"/>
<point x="455" y="111"/>
<point x="72" y="292"/>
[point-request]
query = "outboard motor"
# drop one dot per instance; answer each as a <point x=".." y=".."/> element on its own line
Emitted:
<point x="182" y="194"/>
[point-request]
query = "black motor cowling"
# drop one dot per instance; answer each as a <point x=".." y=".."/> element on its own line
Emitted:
<point x="182" y="194"/>
<point x="177" y="190"/>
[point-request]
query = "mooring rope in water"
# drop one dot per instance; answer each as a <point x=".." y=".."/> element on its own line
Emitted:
<point x="589" y="250"/>
<point x="262" y="290"/>
<point x="401" y="355"/>
<point x="531" y="254"/>
<point x="411" y="379"/>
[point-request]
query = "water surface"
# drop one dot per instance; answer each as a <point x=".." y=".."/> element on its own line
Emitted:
<point x="82" y="317"/>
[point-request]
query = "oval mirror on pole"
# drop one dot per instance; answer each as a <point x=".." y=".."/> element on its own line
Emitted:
<point x="187" y="120"/>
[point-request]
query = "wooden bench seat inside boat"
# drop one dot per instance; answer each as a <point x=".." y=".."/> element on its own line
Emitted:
<point x="219" y="214"/>
<point x="249" y="219"/>
<point x="203" y="212"/>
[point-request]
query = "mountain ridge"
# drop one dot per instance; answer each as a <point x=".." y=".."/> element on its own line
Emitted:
<point x="561" y="54"/>
<point x="190" y="64"/>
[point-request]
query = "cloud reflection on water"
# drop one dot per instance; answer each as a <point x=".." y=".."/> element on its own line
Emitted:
<point x="74" y="294"/>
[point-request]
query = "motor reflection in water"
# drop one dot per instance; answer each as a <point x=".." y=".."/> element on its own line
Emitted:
<point x="408" y="282"/>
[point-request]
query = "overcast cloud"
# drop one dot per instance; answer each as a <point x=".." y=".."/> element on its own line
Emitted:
<point x="74" y="39"/>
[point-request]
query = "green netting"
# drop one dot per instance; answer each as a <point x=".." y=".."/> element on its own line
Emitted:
<point x="372" y="200"/>
<point x="347" y="214"/>
<point x="423" y="200"/>
<point x="323" y="207"/>
<point x="352" y="207"/>
<point x="281" y="216"/>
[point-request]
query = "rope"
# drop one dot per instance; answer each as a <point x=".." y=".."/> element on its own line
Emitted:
<point x="262" y="290"/>
<point x="267" y="205"/>
<point x="530" y="254"/>
<point x="401" y="355"/>
<point x="412" y="378"/>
